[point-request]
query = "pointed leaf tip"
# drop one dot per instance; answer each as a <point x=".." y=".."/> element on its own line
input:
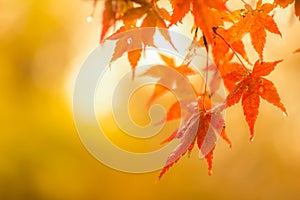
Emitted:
<point x="284" y="114"/>
<point x="297" y="51"/>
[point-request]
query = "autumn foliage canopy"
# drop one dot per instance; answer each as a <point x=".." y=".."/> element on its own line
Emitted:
<point x="220" y="32"/>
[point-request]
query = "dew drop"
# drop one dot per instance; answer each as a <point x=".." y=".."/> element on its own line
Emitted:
<point x="129" y="40"/>
<point x="284" y="114"/>
<point x="89" y="19"/>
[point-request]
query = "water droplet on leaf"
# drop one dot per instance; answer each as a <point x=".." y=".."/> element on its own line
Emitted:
<point x="89" y="19"/>
<point x="129" y="40"/>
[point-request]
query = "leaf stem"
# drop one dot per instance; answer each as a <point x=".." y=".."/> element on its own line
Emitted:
<point x="206" y="71"/>
<point x="215" y="31"/>
<point x="196" y="33"/>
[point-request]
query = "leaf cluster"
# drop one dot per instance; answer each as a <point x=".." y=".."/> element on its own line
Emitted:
<point x="221" y="32"/>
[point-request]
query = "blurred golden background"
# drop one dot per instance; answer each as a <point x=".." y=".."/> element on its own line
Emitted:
<point x="43" y="44"/>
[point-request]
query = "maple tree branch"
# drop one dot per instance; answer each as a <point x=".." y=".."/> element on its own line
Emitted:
<point x="245" y="84"/>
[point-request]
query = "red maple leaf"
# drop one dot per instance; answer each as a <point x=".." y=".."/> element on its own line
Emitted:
<point x="202" y="127"/>
<point x="250" y="87"/>
<point x="187" y="133"/>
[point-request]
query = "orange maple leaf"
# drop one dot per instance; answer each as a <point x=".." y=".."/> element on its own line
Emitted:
<point x="180" y="9"/>
<point x="131" y="42"/>
<point x="250" y="87"/>
<point x="113" y="10"/>
<point x="231" y="72"/>
<point x="136" y="38"/>
<point x="256" y="22"/>
<point x="207" y="14"/>
<point x="153" y="16"/>
<point x="157" y="71"/>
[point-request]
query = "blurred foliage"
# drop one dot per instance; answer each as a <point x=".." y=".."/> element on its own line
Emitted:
<point x="41" y="156"/>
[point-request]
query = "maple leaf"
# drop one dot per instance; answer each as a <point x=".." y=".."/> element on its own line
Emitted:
<point x="159" y="72"/>
<point x="180" y="9"/>
<point x="187" y="134"/>
<point x="207" y="14"/>
<point x="231" y="72"/>
<point x="256" y="22"/>
<point x="201" y="126"/>
<point x="250" y="87"/>
<point x="137" y="38"/>
<point x="213" y="125"/>
<point x="154" y="17"/>
<point x="113" y="10"/>
<point x="131" y="16"/>
<point x="131" y="42"/>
